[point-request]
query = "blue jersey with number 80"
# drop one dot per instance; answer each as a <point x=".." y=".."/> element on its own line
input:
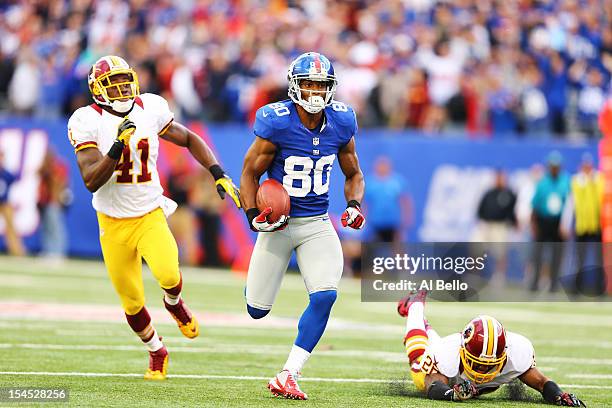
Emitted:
<point x="304" y="158"/>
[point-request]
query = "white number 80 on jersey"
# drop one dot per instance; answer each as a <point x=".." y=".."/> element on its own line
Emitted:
<point x="307" y="182"/>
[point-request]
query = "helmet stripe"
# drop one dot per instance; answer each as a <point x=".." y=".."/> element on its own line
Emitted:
<point x="485" y="332"/>
<point x="114" y="60"/>
<point x="495" y="337"/>
<point x="491" y="336"/>
<point x="317" y="63"/>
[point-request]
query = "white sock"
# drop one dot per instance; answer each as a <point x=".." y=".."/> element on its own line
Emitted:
<point x="155" y="343"/>
<point x="296" y="360"/>
<point x="172" y="301"/>
<point x="416" y="317"/>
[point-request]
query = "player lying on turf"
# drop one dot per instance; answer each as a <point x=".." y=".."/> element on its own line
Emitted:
<point x="476" y="361"/>
<point x="116" y="140"/>
<point x="297" y="141"/>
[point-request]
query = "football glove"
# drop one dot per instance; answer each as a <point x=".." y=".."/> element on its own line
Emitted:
<point x="464" y="391"/>
<point x="125" y="131"/>
<point x="569" y="400"/>
<point x="352" y="216"/>
<point x="225" y="185"/>
<point x="261" y="224"/>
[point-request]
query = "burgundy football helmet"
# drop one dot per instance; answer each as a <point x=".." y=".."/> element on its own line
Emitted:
<point x="483" y="349"/>
<point x="101" y="80"/>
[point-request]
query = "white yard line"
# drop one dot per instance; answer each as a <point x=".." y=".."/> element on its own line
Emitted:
<point x="238" y="377"/>
<point x="591" y="376"/>
<point x="575" y="360"/>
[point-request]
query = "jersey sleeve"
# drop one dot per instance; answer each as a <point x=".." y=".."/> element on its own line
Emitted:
<point x="82" y="131"/>
<point x="264" y="127"/>
<point x="348" y="120"/>
<point x="159" y="109"/>
<point x="521" y="353"/>
<point x="354" y="127"/>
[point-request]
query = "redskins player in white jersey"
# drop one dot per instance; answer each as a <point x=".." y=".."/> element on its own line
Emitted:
<point x="480" y="359"/>
<point x="116" y="141"/>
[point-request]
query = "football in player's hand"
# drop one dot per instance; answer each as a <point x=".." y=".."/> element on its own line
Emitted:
<point x="272" y="194"/>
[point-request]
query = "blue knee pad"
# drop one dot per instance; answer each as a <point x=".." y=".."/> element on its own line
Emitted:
<point x="323" y="301"/>
<point x="314" y="319"/>
<point x="256" y="313"/>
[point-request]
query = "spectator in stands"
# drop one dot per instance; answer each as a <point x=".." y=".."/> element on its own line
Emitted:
<point x="591" y="98"/>
<point x="556" y="91"/>
<point x="7" y="67"/>
<point x="534" y="106"/>
<point x="443" y="67"/>
<point x="54" y="197"/>
<point x="547" y="206"/>
<point x="24" y="88"/>
<point x="387" y="202"/>
<point x="222" y="60"/>
<point x="12" y="238"/>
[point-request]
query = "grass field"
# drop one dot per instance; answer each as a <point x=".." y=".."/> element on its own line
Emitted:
<point x="63" y="327"/>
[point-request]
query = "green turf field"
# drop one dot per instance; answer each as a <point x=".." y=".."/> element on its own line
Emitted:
<point x="63" y="327"/>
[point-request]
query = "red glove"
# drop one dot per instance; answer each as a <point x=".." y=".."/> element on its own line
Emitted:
<point x="464" y="391"/>
<point x="352" y="216"/>
<point x="569" y="400"/>
<point x="260" y="223"/>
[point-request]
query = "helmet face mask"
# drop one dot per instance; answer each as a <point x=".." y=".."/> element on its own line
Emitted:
<point x="483" y="349"/>
<point x="311" y="66"/>
<point x="479" y="369"/>
<point x="113" y="83"/>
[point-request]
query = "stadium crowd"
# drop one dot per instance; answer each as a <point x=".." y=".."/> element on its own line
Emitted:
<point x="487" y="67"/>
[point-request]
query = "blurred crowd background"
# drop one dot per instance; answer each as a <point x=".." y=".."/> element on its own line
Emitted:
<point x="488" y="67"/>
<point x="532" y="72"/>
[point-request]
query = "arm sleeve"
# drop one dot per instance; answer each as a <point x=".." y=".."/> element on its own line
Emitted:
<point x="81" y="130"/>
<point x="440" y="391"/>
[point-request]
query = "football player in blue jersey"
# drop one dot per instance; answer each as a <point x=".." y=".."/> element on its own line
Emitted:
<point x="297" y="142"/>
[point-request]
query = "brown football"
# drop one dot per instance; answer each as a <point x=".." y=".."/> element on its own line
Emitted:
<point x="272" y="194"/>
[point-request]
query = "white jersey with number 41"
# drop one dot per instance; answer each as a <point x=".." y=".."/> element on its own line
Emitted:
<point x="134" y="189"/>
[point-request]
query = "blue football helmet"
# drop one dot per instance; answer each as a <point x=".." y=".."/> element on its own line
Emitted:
<point x="314" y="67"/>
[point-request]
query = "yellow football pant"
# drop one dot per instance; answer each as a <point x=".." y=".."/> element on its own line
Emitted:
<point x="125" y="241"/>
